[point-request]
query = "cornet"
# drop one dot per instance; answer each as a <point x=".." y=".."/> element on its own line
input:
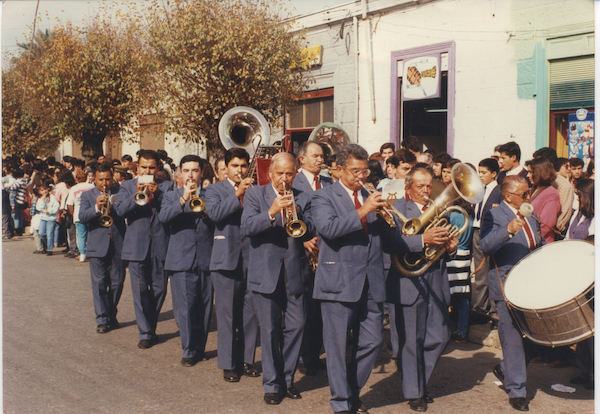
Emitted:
<point x="141" y="197"/>
<point x="197" y="204"/>
<point x="294" y="227"/>
<point x="105" y="219"/>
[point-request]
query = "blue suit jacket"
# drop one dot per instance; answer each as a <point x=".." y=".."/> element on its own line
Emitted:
<point x="225" y="210"/>
<point x="301" y="183"/>
<point x="190" y="234"/>
<point x="142" y="222"/>
<point x="494" y="198"/>
<point x="270" y="246"/>
<point x="347" y="256"/>
<point x="98" y="238"/>
<point x="505" y="251"/>
<point x="406" y="290"/>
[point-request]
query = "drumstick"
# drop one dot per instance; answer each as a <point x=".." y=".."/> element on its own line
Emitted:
<point x="526" y="210"/>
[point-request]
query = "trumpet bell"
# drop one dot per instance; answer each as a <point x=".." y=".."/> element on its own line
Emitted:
<point x="240" y="125"/>
<point x="106" y="221"/>
<point x="295" y="228"/>
<point x="141" y="199"/>
<point x="197" y="205"/>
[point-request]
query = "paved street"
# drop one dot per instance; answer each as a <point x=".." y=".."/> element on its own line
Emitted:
<point x="54" y="362"/>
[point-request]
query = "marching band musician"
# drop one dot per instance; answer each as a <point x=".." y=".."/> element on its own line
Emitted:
<point x="507" y="237"/>
<point x="145" y="245"/>
<point x="104" y="246"/>
<point x="421" y="302"/>
<point x="310" y="155"/>
<point x="188" y="259"/>
<point x="350" y="281"/>
<point x="278" y="274"/>
<point x="237" y="323"/>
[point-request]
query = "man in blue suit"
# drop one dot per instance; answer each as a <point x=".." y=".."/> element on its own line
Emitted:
<point x="145" y="245"/>
<point x="422" y="319"/>
<point x="310" y="155"/>
<point x="507" y="237"/>
<point x="350" y="280"/>
<point x="278" y="274"/>
<point x="237" y="323"/>
<point x="188" y="260"/>
<point x="104" y="246"/>
<point x="480" y="302"/>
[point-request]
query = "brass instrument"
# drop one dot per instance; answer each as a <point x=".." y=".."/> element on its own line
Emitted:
<point x="197" y="204"/>
<point x="105" y="219"/>
<point x="466" y="184"/>
<point x="388" y="211"/>
<point x="141" y="197"/>
<point x="294" y="227"/>
<point x="313" y="262"/>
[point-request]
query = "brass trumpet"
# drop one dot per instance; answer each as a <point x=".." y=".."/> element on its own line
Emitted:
<point x="388" y="211"/>
<point x="105" y="219"/>
<point x="294" y="227"/>
<point x="197" y="204"/>
<point x="141" y="197"/>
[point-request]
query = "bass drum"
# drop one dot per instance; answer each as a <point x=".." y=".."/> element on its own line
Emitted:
<point x="551" y="293"/>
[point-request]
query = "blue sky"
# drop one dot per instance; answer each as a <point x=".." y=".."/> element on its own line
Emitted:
<point x="17" y="15"/>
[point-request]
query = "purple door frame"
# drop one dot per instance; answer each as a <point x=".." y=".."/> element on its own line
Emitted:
<point x="397" y="55"/>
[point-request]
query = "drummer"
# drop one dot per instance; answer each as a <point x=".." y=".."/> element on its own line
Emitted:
<point x="507" y="237"/>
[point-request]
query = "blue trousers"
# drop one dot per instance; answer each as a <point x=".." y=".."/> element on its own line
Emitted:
<point x="81" y="237"/>
<point x="514" y="364"/>
<point x="47" y="233"/>
<point x="280" y="347"/>
<point x="365" y="319"/>
<point x="192" y="294"/>
<point x="237" y="323"/>
<point x="149" y="289"/>
<point x="108" y="276"/>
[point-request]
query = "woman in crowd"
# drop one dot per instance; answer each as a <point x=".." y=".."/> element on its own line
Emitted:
<point x="544" y="198"/>
<point x="48" y="206"/>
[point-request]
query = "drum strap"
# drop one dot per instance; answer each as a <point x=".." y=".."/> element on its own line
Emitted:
<point x="506" y="300"/>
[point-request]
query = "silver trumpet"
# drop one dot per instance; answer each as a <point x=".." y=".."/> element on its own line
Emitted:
<point x="197" y="204"/>
<point x="141" y="197"/>
<point x="105" y="218"/>
<point x="294" y="227"/>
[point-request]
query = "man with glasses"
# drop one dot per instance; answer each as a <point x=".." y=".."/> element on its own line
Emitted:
<point x="507" y="237"/>
<point x="350" y="280"/>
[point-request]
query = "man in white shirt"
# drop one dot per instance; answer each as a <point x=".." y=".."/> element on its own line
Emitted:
<point x="510" y="154"/>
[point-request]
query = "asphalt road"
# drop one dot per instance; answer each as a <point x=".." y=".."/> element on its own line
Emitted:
<point x="54" y="362"/>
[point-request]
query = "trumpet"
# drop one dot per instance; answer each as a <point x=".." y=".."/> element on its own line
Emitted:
<point x="197" y="204"/>
<point x="388" y="211"/>
<point x="141" y="197"/>
<point x="105" y="219"/>
<point x="294" y="227"/>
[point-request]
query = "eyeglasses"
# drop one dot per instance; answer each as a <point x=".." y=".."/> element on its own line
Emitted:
<point x="357" y="172"/>
<point x="522" y="195"/>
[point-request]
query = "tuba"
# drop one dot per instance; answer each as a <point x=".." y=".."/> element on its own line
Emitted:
<point x="105" y="218"/>
<point x="241" y="126"/>
<point x="467" y="185"/>
<point x="294" y="227"/>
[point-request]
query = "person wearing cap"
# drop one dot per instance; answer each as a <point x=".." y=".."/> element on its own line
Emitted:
<point x="120" y="174"/>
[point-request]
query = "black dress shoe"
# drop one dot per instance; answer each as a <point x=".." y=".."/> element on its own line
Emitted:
<point x="428" y="399"/>
<point x="273" y="398"/>
<point x="145" y="344"/>
<point x="498" y="373"/>
<point x="417" y="404"/>
<point x="102" y="328"/>
<point x="519" y="404"/>
<point x="362" y="409"/>
<point x="231" y="375"/>
<point x="293" y="393"/>
<point x="188" y="362"/>
<point x="250" y="371"/>
<point x="114" y="324"/>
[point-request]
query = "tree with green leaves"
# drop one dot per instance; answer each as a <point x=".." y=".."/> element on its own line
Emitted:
<point x="216" y="55"/>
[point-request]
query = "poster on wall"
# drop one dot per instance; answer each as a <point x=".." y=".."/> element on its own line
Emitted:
<point x="581" y="135"/>
<point x="421" y="78"/>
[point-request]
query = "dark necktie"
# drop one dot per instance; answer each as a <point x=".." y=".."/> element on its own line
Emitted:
<point x="480" y="205"/>
<point x="357" y="205"/>
<point x="317" y="182"/>
<point x="528" y="232"/>
<point x="242" y="196"/>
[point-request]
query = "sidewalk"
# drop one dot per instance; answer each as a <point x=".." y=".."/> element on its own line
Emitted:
<point x="54" y="362"/>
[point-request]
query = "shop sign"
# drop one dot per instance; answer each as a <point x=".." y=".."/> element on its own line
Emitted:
<point x="581" y="135"/>
<point x="421" y="78"/>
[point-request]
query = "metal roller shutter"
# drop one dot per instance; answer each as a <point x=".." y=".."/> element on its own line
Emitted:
<point x="572" y="83"/>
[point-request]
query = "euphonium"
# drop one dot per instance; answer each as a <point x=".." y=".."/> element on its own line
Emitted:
<point x="388" y="211"/>
<point x="294" y="227"/>
<point x="141" y="197"/>
<point x="466" y="184"/>
<point x="105" y="219"/>
<point x="197" y="204"/>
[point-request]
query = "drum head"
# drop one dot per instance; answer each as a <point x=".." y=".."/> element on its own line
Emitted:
<point x="551" y="275"/>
